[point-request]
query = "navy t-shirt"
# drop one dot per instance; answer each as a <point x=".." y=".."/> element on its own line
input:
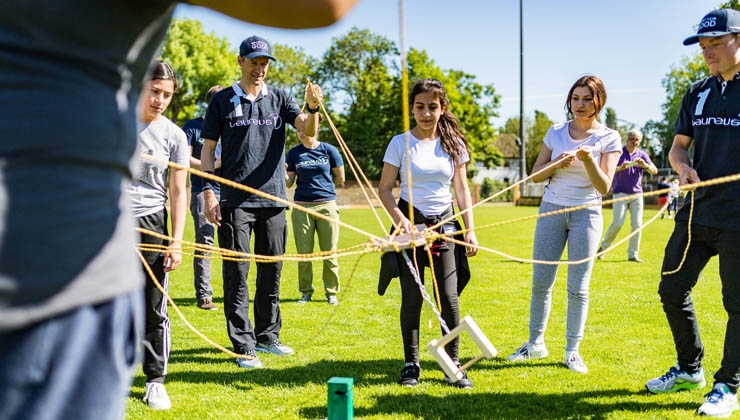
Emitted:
<point x="313" y="167"/>
<point x="252" y="142"/>
<point x="192" y="133"/>
<point x="710" y="114"/>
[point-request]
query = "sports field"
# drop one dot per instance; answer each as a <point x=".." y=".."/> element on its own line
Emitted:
<point x="627" y="341"/>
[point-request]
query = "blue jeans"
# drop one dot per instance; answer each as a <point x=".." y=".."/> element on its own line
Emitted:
<point x="75" y="366"/>
<point x="203" y="235"/>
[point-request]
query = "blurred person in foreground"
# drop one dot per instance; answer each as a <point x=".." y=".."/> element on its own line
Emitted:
<point x="71" y="294"/>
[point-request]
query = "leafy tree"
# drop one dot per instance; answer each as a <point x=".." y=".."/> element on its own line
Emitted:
<point x="675" y="83"/>
<point x="200" y="61"/>
<point x="610" y="118"/>
<point x="535" y="133"/>
<point x="359" y="73"/>
<point x="291" y="72"/>
<point x="472" y="103"/>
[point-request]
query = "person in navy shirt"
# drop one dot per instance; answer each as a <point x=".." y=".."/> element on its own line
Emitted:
<point x="318" y="167"/>
<point x="250" y="118"/>
<point x="204" y="229"/>
<point x="628" y="182"/>
<point x="709" y="120"/>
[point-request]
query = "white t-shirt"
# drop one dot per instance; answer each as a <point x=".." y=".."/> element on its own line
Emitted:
<point x="431" y="172"/>
<point x="571" y="186"/>
<point x="163" y="140"/>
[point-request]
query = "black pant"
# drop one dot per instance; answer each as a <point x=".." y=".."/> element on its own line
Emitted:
<point x="675" y="293"/>
<point x="445" y="272"/>
<point x="270" y="233"/>
<point x="157" y="330"/>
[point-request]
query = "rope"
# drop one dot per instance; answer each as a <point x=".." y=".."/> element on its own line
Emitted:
<point x="182" y="317"/>
<point x="688" y="239"/>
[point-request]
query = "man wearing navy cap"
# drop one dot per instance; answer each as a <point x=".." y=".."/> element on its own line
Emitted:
<point x="250" y="119"/>
<point x="710" y="119"/>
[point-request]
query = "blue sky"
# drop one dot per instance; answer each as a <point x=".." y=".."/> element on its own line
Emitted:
<point x="629" y="44"/>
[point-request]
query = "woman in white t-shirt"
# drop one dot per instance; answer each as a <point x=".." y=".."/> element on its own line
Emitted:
<point x="438" y="154"/>
<point x="578" y="158"/>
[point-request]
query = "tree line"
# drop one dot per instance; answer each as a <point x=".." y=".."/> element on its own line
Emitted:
<point x="361" y="77"/>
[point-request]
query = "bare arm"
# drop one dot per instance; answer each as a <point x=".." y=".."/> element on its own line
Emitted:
<point x="679" y="158"/>
<point x="543" y="159"/>
<point x="194" y="161"/>
<point x="385" y="192"/>
<point x="601" y="175"/>
<point x="289" y="179"/>
<point x="464" y="201"/>
<point x="289" y="14"/>
<point x="178" y="209"/>
<point x="208" y="163"/>
<point x="338" y="173"/>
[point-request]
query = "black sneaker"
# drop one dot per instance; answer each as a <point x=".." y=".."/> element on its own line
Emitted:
<point x="464" y="383"/>
<point x="410" y="375"/>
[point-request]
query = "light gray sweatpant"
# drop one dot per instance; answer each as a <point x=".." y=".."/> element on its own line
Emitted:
<point x="581" y="229"/>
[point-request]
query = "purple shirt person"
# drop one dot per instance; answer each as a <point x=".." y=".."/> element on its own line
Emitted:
<point x="628" y="182"/>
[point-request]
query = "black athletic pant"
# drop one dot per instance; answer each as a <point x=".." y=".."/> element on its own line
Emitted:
<point x="445" y="271"/>
<point x="675" y="293"/>
<point x="157" y="331"/>
<point x="270" y="233"/>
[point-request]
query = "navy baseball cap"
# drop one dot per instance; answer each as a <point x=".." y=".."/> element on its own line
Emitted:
<point x="715" y="24"/>
<point x="255" y="46"/>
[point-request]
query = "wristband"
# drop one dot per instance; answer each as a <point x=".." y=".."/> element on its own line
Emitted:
<point x="313" y="110"/>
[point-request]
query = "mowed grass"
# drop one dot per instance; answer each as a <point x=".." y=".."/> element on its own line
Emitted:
<point x="627" y="341"/>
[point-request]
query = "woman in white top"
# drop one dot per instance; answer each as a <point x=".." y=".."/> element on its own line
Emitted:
<point x="438" y="154"/>
<point x="579" y="158"/>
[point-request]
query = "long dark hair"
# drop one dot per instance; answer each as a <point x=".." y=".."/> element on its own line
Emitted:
<point x="598" y="92"/>
<point x="449" y="128"/>
<point x="163" y="71"/>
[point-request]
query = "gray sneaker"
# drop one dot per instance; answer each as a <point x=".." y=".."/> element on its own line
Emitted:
<point x="249" y="362"/>
<point x="305" y="298"/>
<point x="675" y="380"/>
<point x="274" y="347"/>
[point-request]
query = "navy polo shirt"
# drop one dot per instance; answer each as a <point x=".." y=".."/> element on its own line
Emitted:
<point x="192" y="133"/>
<point x="313" y="167"/>
<point x="252" y="137"/>
<point x="710" y="114"/>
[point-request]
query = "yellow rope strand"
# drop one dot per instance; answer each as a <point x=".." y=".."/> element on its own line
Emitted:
<point x="182" y="317"/>
<point x="688" y="239"/>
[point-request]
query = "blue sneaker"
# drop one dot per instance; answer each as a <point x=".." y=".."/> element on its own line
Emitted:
<point x="275" y="347"/>
<point x="675" y="380"/>
<point x="721" y="402"/>
<point x="249" y="362"/>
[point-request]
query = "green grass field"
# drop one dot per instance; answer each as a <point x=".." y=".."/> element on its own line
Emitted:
<point x="627" y="341"/>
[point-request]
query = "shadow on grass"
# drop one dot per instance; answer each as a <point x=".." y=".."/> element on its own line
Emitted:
<point x="519" y="405"/>
<point x="380" y="373"/>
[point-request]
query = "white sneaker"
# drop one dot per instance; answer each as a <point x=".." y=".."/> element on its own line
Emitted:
<point x="574" y="362"/>
<point x="721" y="402"/>
<point x="156" y="396"/>
<point x="332" y="300"/>
<point x="528" y="351"/>
<point x="675" y="380"/>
